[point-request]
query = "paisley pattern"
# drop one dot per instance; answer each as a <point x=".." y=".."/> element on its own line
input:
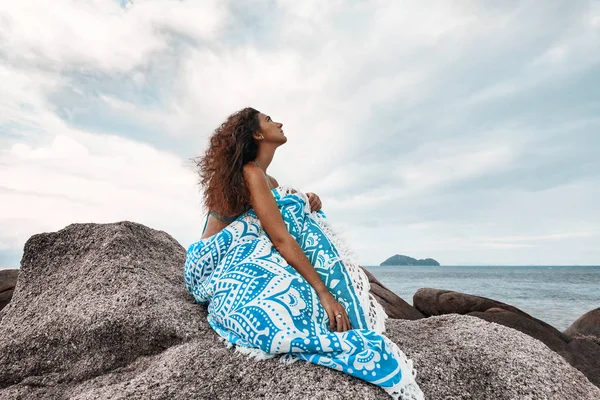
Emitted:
<point x="258" y="303"/>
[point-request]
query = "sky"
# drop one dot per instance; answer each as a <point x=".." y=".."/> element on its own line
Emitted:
<point x="465" y="131"/>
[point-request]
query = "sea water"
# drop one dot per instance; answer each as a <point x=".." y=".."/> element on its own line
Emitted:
<point x="557" y="295"/>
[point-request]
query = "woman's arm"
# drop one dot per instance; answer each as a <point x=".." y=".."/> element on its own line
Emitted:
<point x="268" y="213"/>
<point x="270" y="218"/>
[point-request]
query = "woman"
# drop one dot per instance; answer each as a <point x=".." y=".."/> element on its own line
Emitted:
<point x="276" y="279"/>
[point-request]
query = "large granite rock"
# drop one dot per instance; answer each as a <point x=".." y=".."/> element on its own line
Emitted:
<point x="461" y="357"/>
<point x="584" y="354"/>
<point x="394" y="305"/>
<point x="439" y="302"/>
<point x="101" y="312"/>
<point x="8" y="280"/>
<point x="92" y="298"/>
<point x="587" y="326"/>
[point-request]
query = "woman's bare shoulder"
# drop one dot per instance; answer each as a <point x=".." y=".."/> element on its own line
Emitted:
<point x="273" y="180"/>
<point x="250" y="171"/>
<point x="253" y="173"/>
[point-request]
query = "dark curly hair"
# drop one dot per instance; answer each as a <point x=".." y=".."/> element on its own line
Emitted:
<point x="230" y="147"/>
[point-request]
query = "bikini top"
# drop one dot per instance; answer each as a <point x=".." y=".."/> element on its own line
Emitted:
<point x="228" y="220"/>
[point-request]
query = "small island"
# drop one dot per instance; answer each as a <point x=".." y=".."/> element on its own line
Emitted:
<point x="399" y="259"/>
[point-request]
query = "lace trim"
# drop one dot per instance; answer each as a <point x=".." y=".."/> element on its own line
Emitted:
<point x="258" y="354"/>
<point x="253" y="353"/>
<point x="407" y="388"/>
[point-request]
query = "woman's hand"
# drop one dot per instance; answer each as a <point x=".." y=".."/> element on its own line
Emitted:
<point x="338" y="318"/>
<point x="314" y="201"/>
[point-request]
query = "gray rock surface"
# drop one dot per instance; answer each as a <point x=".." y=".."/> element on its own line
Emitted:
<point x="101" y="312"/>
<point x="583" y="354"/>
<point x="8" y="280"/>
<point x="91" y="298"/>
<point x="463" y="357"/>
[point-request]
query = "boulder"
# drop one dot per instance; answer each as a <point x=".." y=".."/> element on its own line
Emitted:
<point x="529" y="326"/>
<point x="101" y="312"/>
<point x="582" y="355"/>
<point x="8" y="281"/>
<point x="438" y="302"/>
<point x="462" y="357"/>
<point x="587" y="326"/>
<point x="92" y="298"/>
<point x="394" y="305"/>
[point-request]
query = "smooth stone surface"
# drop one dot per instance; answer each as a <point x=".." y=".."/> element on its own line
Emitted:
<point x="439" y="302"/>
<point x="8" y="280"/>
<point x="586" y="326"/>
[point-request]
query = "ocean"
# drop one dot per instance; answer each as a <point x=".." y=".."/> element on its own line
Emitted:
<point x="557" y="295"/>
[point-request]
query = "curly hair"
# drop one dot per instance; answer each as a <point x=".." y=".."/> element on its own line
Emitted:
<point x="231" y="146"/>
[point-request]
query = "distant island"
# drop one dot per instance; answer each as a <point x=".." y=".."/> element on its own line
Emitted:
<point x="399" y="259"/>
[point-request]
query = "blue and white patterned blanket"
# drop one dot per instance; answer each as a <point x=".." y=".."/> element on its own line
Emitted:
<point x="258" y="303"/>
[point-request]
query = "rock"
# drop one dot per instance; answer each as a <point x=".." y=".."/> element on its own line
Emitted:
<point x="8" y="281"/>
<point x="439" y="302"/>
<point x="92" y="298"/>
<point x="586" y="326"/>
<point x="101" y="312"/>
<point x="584" y="355"/>
<point x="584" y="347"/>
<point x="394" y="305"/>
<point x="529" y="326"/>
<point x="462" y="357"/>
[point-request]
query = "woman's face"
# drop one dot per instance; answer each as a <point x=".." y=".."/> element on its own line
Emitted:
<point x="272" y="131"/>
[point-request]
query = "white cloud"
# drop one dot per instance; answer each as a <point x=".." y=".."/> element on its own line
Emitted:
<point x="62" y="147"/>
<point x="100" y="34"/>
<point x="593" y="17"/>
<point x="388" y="107"/>
<point x="452" y="164"/>
<point x="49" y="187"/>
<point x="555" y="236"/>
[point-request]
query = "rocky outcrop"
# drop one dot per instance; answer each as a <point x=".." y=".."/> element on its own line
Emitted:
<point x="587" y="326"/>
<point x="8" y="280"/>
<point x="439" y="302"/>
<point x="101" y="312"/>
<point x="394" y="305"/>
<point x="583" y="354"/>
<point x="92" y="298"/>
<point x="399" y="259"/>
<point x="461" y="357"/>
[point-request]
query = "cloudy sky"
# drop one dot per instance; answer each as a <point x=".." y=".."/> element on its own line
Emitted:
<point x="466" y="131"/>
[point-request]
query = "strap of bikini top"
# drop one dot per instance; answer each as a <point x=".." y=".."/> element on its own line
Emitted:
<point x="226" y="220"/>
<point x="266" y="177"/>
